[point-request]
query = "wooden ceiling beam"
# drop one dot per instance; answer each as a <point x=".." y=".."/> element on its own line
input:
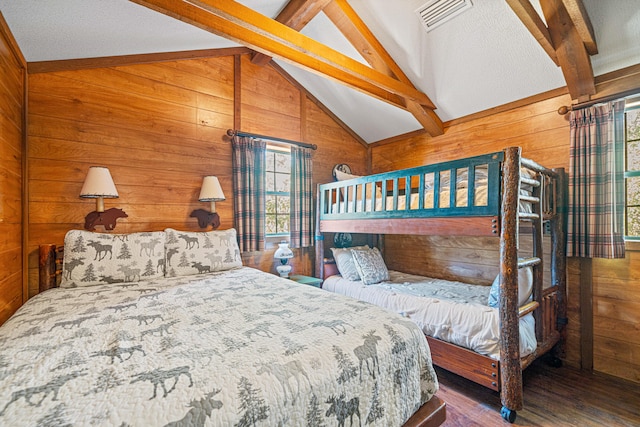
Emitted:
<point x="362" y="39"/>
<point x="243" y="25"/>
<point x="296" y="14"/>
<point x="570" y="49"/>
<point x="581" y="20"/>
<point x="530" y="18"/>
<point x="360" y="36"/>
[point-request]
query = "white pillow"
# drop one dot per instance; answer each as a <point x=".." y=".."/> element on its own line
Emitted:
<point x="370" y="266"/>
<point x="344" y="262"/>
<point x="98" y="258"/>
<point x="189" y="252"/>
<point x="525" y="288"/>
<point x="343" y="176"/>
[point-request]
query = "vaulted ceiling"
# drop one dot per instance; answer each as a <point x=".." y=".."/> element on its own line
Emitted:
<point x="372" y="62"/>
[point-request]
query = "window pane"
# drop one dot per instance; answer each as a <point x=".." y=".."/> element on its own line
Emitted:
<point x="633" y="124"/>
<point x="283" y="224"/>
<point x="633" y="222"/>
<point x="270" y="224"/>
<point x="283" y="162"/>
<point x="633" y="191"/>
<point x="270" y="162"/>
<point x="270" y="203"/>
<point x="271" y="182"/>
<point x="282" y="182"/>
<point x="633" y="155"/>
<point x="283" y="205"/>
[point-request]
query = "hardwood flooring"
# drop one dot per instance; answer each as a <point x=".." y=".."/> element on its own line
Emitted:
<point x="552" y="397"/>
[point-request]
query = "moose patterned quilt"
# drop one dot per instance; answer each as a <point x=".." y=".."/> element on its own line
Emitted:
<point x="232" y="348"/>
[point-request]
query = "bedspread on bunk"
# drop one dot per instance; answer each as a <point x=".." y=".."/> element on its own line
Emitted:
<point x="450" y="311"/>
<point x="239" y="347"/>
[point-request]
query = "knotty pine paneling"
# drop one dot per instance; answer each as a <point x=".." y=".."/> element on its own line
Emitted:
<point x="12" y="105"/>
<point x="574" y="325"/>
<point x="616" y="316"/>
<point x="160" y="128"/>
<point x="270" y="104"/>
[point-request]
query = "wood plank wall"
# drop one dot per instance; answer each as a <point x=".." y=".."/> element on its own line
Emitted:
<point x="544" y="137"/>
<point x="160" y="128"/>
<point x="616" y="316"/>
<point x="12" y="104"/>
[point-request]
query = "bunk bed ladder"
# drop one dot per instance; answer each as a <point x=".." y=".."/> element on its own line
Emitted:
<point x="536" y="219"/>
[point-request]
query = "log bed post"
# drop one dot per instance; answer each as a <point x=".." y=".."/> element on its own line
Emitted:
<point x="510" y="368"/>
<point x="47" y="271"/>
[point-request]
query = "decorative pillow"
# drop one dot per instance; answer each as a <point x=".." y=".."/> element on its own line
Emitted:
<point x="97" y="258"/>
<point x="525" y="288"/>
<point x="344" y="262"/>
<point x="188" y="252"/>
<point x="370" y="266"/>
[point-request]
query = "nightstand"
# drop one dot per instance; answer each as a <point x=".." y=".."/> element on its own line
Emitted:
<point x="306" y="280"/>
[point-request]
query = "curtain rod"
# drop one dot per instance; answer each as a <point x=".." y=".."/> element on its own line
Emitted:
<point x="626" y="94"/>
<point x="232" y="132"/>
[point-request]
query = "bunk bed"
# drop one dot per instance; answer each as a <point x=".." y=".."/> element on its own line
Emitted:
<point x="500" y="194"/>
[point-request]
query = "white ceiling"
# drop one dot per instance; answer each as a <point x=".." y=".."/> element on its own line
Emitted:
<point x="482" y="58"/>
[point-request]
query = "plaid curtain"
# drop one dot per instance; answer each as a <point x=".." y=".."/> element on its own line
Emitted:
<point x="596" y="183"/>
<point x="301" y="220"/>
<point x="249" y="158"/>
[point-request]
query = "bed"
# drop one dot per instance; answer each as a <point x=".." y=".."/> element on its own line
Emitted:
<point x="169" y="328"/>
<point x="500" y="194"/>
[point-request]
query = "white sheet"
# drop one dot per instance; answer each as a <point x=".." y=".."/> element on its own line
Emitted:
<point x="451" y="311"/>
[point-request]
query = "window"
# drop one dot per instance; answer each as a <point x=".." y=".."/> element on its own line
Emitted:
<point x="278" y="179"/>
<point x="632" y="174"/>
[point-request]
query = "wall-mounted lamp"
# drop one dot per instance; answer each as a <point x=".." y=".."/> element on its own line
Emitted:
<point x="284" y="254"/>
<point x="211" y="191"/>
<point x="99" y="185"/>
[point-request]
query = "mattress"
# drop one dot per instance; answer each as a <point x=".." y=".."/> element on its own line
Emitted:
<point x="238" y="347"/>
<point x="450" y="311"/>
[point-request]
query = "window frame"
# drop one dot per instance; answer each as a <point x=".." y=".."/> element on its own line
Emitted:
<point x="271" y="239"/>
<point x="632" y="105"/>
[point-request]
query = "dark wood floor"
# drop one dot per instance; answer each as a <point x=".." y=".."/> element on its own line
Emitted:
<point x="552" y="397"/>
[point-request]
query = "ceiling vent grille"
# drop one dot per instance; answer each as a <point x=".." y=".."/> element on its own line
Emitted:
<point x="436" y="12"/>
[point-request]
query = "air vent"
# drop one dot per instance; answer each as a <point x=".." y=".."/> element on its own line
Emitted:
<point x="436" y="12"/>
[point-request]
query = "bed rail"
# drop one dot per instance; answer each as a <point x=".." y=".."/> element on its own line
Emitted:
<point x="439" y="190"/>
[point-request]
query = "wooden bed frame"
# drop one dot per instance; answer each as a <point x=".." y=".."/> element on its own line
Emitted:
<point x="501" y="220"/>
<point x="431" y="414"/>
